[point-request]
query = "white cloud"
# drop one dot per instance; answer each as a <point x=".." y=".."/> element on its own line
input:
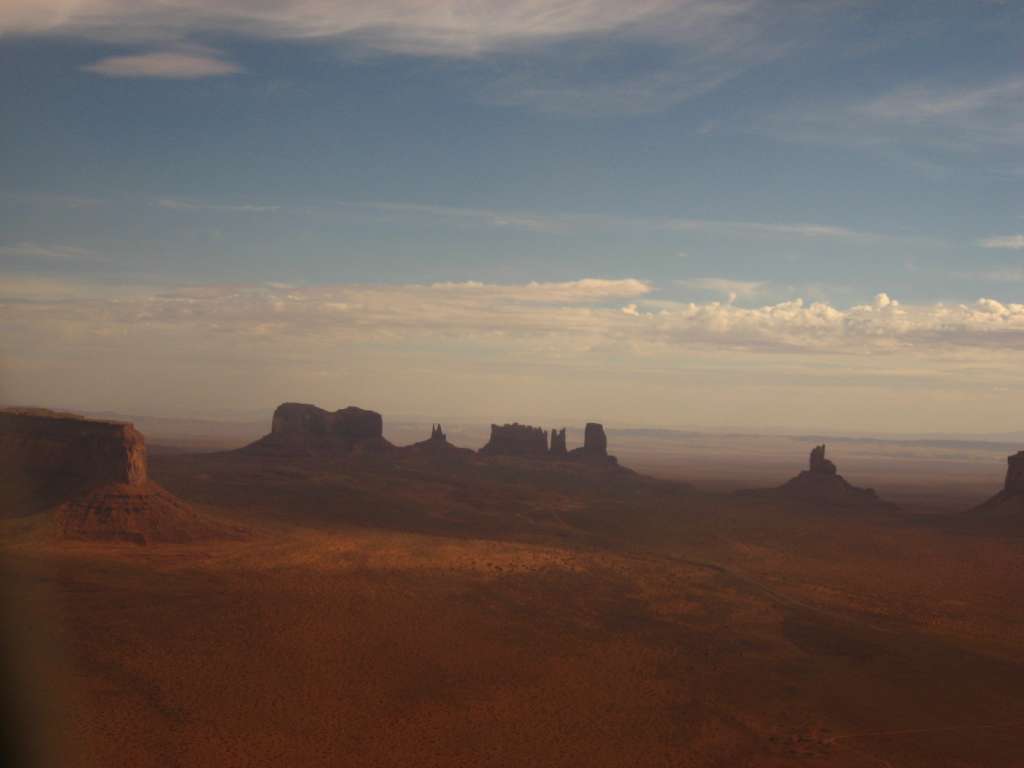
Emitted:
<point x="167" y="65"/>
<point x="1009" y="242"/>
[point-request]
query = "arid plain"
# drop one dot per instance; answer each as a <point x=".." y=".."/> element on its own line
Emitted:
<point x="415" y="608"/>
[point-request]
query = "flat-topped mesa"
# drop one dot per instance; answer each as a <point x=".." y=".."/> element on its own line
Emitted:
<point x="558" y="448"/>
<point x="304" y="428"/>
<point x="516" y="440"/>
<point x="349" y="423"/>
<point x="70" y="449"/>
<point x="595" y="446"/>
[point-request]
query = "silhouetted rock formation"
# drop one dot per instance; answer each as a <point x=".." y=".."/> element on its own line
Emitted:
<point x="595" y="446"/>
<point x="96" y="474"/>
<point x="821" y="482"/>
<point x="1015" y="473"/>
<point x="819" y="464"/>
<point x="1009" y="502"/>
<point x="298" y="428"/>
<point x="437" y="445"/>
<point x="558" y="448"/>
<point x="516" y="440"/>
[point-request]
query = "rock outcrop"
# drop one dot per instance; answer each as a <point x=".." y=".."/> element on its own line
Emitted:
<point x="68" y="450"/>
<point x="1009" y="502"/>
<point x="141" y="514"/>
<point x="516" y="440"/>
<point x="437" y="446"/>
<point x="94" y="477"/>
<point x="558" y="449"/>
<point x="595" y="446"/>
<point x="821" y="482"/>
<point x="299" y="428"/>
<point x="819" y="464"/>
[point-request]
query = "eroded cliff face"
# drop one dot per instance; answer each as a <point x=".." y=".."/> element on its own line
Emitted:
<point x="70" y="449"/>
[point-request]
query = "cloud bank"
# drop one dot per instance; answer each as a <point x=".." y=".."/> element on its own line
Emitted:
<point x="571" y="316"/>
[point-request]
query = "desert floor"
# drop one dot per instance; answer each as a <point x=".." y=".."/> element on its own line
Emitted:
<point x="385" y="614"/>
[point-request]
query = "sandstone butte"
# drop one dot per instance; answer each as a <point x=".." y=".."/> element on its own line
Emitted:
<point x="92" y="477"/>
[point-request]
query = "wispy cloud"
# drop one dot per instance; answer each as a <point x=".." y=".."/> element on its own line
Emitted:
<point x="536" y="222"/>
<point x="731" y="289"/>
<point x="192" y="205"/>
<point x="444" y="27"/>
<point x="61" y="254"/>
<point x="563" y="222"/>
<point x="168" y="65"/>
<point x="962" y="117"/>
<point x="1008" y="242"/>
<point x="553" y="55"/>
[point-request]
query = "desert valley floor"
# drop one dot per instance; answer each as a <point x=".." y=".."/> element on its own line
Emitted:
<point x="411" y="611"/>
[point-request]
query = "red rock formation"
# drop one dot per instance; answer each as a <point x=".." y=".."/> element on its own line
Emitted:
<point x="95" y="473"/>
<point x="142" y="514"/>
<point x="558" y="448"/>
<point x="516" y="440"/>
<point x="67" y="449"/>
<point x="307" y="429"/>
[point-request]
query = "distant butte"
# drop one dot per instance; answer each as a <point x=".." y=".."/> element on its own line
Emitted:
<point x="516" y="440"/>
<point x="1009" y="502"/>
<point x="821" y="482"/>
<point x="302" y="429"/>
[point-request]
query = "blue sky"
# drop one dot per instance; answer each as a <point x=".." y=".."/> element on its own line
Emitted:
<point x="732" y="156"/>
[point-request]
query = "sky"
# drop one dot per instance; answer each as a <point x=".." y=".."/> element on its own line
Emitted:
<point x="728" y="214"/>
